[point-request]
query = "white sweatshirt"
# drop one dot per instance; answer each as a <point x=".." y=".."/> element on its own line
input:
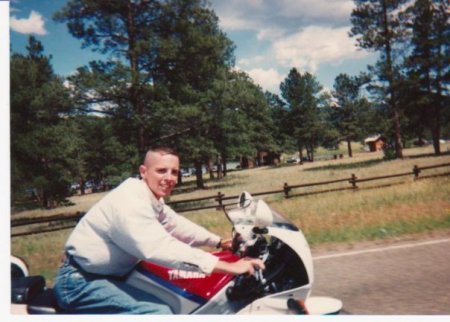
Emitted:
<point x="129" y="224"/>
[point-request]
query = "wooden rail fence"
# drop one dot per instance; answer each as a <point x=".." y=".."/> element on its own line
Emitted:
<point x="219" y="200"/>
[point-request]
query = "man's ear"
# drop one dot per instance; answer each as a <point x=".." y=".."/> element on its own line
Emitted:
<point x="142" y="170"/>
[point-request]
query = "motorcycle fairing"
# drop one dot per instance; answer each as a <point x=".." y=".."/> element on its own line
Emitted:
<point x="191" y="285"/>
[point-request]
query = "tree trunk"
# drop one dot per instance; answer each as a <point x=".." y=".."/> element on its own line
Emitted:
<point x="135" y="91"/>
<point x="224" y="166"/>
<point x="45" y="200"/>
<point x="390" y="77"/>
<point x="199" y="174"/>
<point x="436" y="129"/>
<point x="180" y="179"/>
<point x="398" y="136"/>
<point x="210" y="169"/>
<point x="82" y="188"/>
<point x="310" y="152"/>
<point x="257" y="161"/>
<point x="349" y="148"/>
<point x="219" y="171"/>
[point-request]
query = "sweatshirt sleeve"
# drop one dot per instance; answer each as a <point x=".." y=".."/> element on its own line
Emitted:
<point x="186" y="230"/>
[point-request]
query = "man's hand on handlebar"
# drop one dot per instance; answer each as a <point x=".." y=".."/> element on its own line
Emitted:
<point x="226" y="244"/>
<point x="242" y="266"/>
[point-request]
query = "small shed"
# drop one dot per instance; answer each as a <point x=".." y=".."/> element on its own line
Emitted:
<point x="375" y="143"/>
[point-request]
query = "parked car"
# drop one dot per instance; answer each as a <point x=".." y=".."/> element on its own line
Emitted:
<point x="185" y="173"/>
<point x="293" y="159"/>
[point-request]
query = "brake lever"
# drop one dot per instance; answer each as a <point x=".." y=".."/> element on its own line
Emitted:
<point x="259" y="276"/>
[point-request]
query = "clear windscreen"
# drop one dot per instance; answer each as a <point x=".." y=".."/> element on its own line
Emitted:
<point x="246" y="214"/>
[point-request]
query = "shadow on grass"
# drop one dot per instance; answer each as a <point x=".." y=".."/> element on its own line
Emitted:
<point x="282" y="165"/>
<point x="27" y="204"/>
<point x="209" y="184"/>
<point x="427" y="155"/>
<point x="184" y="188"/>
<point x="362" y="164"/>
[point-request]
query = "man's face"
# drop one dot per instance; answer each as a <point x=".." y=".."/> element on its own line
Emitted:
<point x="160" y="172"/>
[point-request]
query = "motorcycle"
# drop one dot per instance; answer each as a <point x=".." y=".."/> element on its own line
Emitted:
<point x="258" y="231"/>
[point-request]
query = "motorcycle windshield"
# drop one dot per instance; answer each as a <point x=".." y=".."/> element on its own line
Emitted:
<point x="247" y="216"/>
<point x="280" y="221"/>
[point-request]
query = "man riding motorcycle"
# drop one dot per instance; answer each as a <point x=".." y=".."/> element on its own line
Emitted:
<point x="130" y="224"/>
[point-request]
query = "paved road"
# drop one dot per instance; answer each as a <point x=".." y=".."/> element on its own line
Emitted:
<point x="407" y="277"/>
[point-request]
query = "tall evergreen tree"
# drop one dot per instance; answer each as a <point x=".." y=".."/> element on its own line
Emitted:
<point x="429" y="66"/>
<point x="126" y="31"/>
<point x="302" y="93"/>
<point x="42" y="140"/>
<point x="234" y="131"/>
<point x="156" y="81"/>
<point x="350" y="114"/>
<point x="280" y="114"/>
<point x="377" y="26"/>
<point x="250" y="105"/>
<point x="102" y="160"/>
<point x="198" y="56"/>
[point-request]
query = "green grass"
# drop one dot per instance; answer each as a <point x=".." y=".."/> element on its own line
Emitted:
<point x="342" y="166"/>
<point x="371" y="213"/>
<point x="377" y="232"/>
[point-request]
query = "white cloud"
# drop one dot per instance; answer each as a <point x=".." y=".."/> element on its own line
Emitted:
<point x="279" y="35"/>
<point x="316" y="45"/>
<point x="324" y="10"/>
<point x="34" y="24"/>
<point x="281" y="15"/>
<point x="270" y="34"/>
<point x="268" y="79"/>
<point x="255" y="4"/>
<point x="300" y="33"/>
<point x="251" y="61"/>
<point x="232" y="22"/>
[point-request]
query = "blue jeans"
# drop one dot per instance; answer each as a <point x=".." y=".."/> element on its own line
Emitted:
<point x="79" y="292"/>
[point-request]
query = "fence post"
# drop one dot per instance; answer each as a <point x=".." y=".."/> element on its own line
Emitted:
<point x="219" y="201"/>
<point x="416" y="171"/>
<point x="353" y="181"/>
<point x="286" y="189"/>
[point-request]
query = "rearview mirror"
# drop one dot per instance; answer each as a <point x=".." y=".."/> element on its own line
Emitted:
<point x="244" y="200"/>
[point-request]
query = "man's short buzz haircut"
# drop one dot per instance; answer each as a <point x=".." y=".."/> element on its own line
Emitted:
<point x="163" y="150"/>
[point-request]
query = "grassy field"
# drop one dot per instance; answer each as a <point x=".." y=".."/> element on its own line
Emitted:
<point x="379" y="209"/>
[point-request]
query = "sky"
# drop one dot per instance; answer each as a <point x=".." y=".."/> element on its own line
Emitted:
<point x="271" y="37"/>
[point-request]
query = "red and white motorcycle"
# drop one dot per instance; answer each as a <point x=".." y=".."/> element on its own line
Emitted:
<point x="284" y="287"/>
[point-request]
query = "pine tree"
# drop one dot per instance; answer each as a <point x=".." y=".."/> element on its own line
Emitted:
<point x="42" y="141"/>
<point x="349" y="115"/>
<point x="377" y="26"/>
<point x="161" y="58"/>
<point x="302" y="93"/>
<point x="428" y="65"/>
<point x="125" y="31"/>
